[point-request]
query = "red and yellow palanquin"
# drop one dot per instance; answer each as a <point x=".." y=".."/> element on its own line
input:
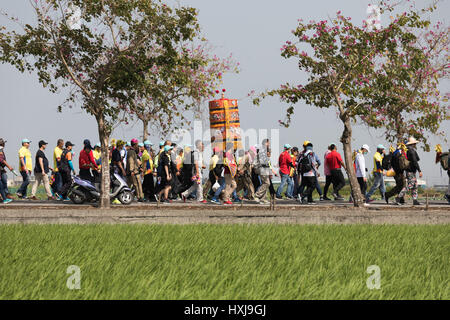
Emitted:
<point x="225" y="123"/>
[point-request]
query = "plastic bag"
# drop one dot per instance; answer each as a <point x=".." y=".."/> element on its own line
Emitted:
<point x="216" y="186"/>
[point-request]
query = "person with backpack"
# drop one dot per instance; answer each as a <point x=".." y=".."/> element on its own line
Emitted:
<point x="378" y="174"/>
<point x="411" y="170"/>
<point x="317" y="162"/>
<point x="308" y="169"/>
<point x="335" y="163"/>
<point x="285" y="164"/>
<point x="65" y="167"/>
<point x="399" y="162"/>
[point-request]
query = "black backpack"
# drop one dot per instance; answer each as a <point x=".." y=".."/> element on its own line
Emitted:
<point x="444" y="160"/>
<point x="160" y="168"/>
<point x="386" y="164"/>
<point x="305" y="164"/>
<point x="63" y="165"/>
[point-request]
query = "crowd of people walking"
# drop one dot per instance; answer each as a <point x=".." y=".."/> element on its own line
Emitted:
<point x="168" y="172"/>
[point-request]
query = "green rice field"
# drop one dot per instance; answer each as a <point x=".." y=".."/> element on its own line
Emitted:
<point x="224" y="261"/>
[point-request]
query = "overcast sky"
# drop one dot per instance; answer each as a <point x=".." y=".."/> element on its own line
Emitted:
<point x="253" y="31"/>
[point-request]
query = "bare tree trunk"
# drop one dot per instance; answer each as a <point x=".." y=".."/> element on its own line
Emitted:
<point x="346" y="139"/>
<point x="145" y="131"/>
<point x="105" y="183"/>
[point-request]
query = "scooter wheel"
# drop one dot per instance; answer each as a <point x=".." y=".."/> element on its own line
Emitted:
<point x="125" y="197"/>
<point x="77" y="198"/>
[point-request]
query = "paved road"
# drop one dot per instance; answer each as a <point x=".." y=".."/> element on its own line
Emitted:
<point x="437" y="212"/>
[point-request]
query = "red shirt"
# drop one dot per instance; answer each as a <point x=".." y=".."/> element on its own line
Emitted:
<point x="334" y="160"/>
<point x="86" y="159"/>
<point x="285" y="162"/>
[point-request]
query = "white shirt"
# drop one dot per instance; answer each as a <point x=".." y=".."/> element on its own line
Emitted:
<point x="360" y="163"/>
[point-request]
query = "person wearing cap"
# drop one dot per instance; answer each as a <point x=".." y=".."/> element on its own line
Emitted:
<point x="360" y="168"/>
<point x="133" y="170"/>
<point x="335" y="163"/>
<point x="87" y="162"/>
<point x="164" y="175"/>
<point x="411" y="171"/>
<point x="301" y="183"/>
<point x="378" y="174"/>
<point x="308" y="169"/>
<point x="26" y="166"/>
<point x="317" y="164"/>
<point x="41" y="171"/>
<point x="65" y="166"/>
<point x="285" y="164"/>
<point x="161" y="150"/>
<point x="148" y="146"/>
<point x="57" y="152"/>
<point x="6" y="196"/>
<point x="117" y="164"/>
<point x="148" y="186"/>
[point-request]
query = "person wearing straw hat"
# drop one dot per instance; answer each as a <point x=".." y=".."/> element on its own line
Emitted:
<point x="413" y="168"/>
<point x="378" y="174"/>
<point x="26" y="166"/>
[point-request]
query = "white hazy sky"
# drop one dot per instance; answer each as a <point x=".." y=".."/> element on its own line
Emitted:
<point x="254" y="31"/>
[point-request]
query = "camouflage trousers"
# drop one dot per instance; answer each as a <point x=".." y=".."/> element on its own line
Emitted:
<point x="411" y="185"/>
<point x="244" y="181"/>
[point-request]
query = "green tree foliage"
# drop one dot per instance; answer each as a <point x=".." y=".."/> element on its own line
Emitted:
<point x="104" y="59"/>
